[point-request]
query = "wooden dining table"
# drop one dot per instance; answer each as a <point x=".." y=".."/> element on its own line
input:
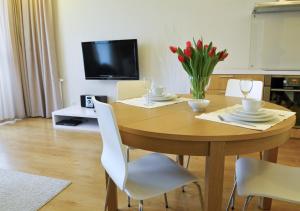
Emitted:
<point x="174" y="129"/>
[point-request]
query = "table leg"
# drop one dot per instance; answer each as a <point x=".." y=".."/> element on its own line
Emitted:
<point x="111" y="194"/>
<point x="271" y="156"/>
<point x="214" y="175"/>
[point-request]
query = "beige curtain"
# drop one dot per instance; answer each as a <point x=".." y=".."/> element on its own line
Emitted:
<point x="33" y="43"/>
<point x="11" y="96"/>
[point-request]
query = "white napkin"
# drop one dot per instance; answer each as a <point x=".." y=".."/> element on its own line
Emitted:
<point x="280" y="116"/>
<point x="141" y="102"/>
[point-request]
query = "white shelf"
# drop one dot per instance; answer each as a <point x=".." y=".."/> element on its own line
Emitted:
<point x="87" y="115"/>
<point x="76" y="111"/>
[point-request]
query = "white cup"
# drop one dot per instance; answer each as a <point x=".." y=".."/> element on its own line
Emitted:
<point x="158" y="90"/>
<point x="252" y="105"/>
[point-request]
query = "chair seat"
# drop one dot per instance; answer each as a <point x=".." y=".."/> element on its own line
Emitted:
<point x="262" y="178"/>
<point x="155" y="174"/>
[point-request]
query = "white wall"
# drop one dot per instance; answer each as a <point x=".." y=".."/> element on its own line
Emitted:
<point x="156" y="24"/>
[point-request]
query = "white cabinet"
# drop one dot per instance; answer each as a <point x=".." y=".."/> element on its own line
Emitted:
<point x="86" y="115"/>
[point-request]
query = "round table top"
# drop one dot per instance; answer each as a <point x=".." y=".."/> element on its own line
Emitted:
<point x="178" y="122"/>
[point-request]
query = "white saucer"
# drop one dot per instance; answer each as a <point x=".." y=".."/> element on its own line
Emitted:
<point x="153" y="95"/>
<point x="165" y="97"/>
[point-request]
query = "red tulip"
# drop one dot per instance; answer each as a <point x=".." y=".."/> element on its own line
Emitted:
<point x="173" y="49"/>
<point x="188" y="52"/>
<point x="212" y="52"/>
<point x="181" y="58"/>
<point x="223" y="55"/>
<point x="199" y="44"/>
<point x="188" y="44"/>
<point x="206" y="46"/>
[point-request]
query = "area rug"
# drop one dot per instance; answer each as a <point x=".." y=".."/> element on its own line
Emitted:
<point x="26" y="192"/>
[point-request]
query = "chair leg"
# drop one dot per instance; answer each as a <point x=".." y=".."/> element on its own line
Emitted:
<point x="128" y="200"/>
<point x="128" y="154"/>
<point x="233" y="193"/>
<point x="141" y="205"/>
<point x="232" y="198"/>
<point x="180" y="162"/>
<point x="200" y="194"/>
<point x="247" y="201"/>
<point x="166" y="200"/>
<point x="188" y="162"/>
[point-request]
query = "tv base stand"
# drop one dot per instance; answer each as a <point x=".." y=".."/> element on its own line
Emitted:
<point x="87" y="116"/>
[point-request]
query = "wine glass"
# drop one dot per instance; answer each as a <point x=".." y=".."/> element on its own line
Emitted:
<point x="147" y="85"/>
<point x="246" y="86"/>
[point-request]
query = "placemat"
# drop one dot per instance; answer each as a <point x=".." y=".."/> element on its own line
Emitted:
<point x="214" y="116"/>
<point x="141" y="102"/>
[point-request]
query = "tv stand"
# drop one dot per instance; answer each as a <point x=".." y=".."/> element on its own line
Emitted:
<point x="86" y="115"/>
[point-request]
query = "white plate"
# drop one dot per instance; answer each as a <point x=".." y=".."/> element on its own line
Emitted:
<point x="245" y="118"/>
<point x="166" y="97"/>
<point x="262" y="115"/>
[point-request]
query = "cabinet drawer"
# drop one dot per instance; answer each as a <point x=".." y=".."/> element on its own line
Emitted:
<point x="219" y="82"/>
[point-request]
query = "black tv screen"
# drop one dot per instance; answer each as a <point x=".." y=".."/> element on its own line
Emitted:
<point x="111" y="60"/>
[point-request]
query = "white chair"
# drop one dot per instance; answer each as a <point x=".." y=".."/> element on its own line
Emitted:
<point x="266" y="179"/>
<point x="233" y="89"/>
<point x="130" y="89"/>
<point x="144" y="178"/>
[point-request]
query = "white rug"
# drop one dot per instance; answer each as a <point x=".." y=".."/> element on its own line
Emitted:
<point x="27" y="192"/>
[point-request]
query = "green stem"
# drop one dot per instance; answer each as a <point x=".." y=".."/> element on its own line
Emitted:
<point x="198" y="86"/>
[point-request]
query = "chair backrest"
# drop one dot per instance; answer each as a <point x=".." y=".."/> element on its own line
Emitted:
<point x="233" y="89"/>
<point x="113" y="157"/>
<point x="272" y="180"/>
<point x="130" y="89"/>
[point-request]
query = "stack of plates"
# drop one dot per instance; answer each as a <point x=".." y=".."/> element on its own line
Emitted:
<point x="261" y="115"/>
<point x="160" y="98"/>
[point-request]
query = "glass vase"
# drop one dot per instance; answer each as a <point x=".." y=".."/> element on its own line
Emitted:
<point x="199" y="86"/>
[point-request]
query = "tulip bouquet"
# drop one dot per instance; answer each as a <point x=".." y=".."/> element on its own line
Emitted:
<point x="199" y="61"/>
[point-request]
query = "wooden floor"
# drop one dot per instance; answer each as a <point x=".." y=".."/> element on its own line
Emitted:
<point x="32" y="146"/>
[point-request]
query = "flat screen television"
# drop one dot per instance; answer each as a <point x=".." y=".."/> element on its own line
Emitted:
<point x="111" y="60"/>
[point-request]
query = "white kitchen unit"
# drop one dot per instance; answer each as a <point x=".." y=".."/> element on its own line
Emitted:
<point x="86" y="115"/>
